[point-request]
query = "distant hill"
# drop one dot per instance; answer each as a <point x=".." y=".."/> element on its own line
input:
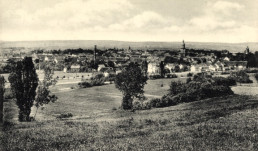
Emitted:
<point x="103" y="44"/>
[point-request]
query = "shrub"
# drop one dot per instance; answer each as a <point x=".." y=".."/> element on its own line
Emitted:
<point x="172" y="76"/>
<point x="114" y="108"/>
<point x="65" y="115"/>
<point x="98" y="80"/>
<point x="146" y="105"/>
<point x="188" y="80"/>
<point x="177" y="87"/>
<point x="256" y="76"/>
<point x="156" y="102"/>
<point x="189" y="74"/>
<point x="224" y="73"/>
<point x="252" y="71"/>
<point x="84" y="84"/>
<point x="241" y="76"/>
<point x="137" y="105"/>
<point x="229" y="81"/>
<point x="153" y="77"/>
<point x="111" y="77"/>
<point x="201" y="87"/>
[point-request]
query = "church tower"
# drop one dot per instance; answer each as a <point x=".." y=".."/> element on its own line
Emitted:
<point x="247" y="51"/>
<point x="182" y="50"/>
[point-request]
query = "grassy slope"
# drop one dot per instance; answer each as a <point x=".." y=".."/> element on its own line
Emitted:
<point x="228" y="123"/>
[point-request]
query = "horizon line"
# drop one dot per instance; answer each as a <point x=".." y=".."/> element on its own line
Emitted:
<point x="124" y="41"/>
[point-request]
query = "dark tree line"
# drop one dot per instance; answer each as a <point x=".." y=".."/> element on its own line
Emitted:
<point x="252" y="59"/>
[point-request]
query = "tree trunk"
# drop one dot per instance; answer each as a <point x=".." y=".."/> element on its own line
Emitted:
<point x="127" y="103"/>
<point x="36" y="113"/>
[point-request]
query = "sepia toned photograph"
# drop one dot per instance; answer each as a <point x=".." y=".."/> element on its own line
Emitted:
<point x="128" y="75"/>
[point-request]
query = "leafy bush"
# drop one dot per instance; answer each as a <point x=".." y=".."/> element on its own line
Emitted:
<point x="65" y="115"/>
<point x="225" y="81"/>
<point x="188" y="80"/>
<point x="137" y="105"/>
<point x="177" y="87"/>
<point x="189" y="74"/>
<point x="153" y="77"/>
<point x="146" y="105"/>
<point x="241" y="76"/>
<point x="171" y="76"/>
<point x="84" y="84"/>
<point x="98" y="80"/>
<point x="156" y="102"/>
<point x="252" y="71"/>
<point x="256" y="76"/>
<point x="201" y="87"/>
<point x="111" y="77"/>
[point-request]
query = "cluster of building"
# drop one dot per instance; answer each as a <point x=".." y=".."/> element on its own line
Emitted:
<point x="155" y="61"/>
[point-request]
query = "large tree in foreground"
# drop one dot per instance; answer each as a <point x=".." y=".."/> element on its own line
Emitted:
<point x="2" y="89"/>
<point x="24" y="81"/>
<point x="130" y="82"/>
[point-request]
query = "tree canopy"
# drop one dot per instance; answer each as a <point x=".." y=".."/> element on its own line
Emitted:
<point x="130" y="82"/>
<point x="24" y="81"/>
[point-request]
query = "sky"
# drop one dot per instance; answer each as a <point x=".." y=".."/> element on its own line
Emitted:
<point x="230" y="21"/>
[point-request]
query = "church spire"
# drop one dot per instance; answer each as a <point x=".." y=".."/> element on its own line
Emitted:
<point x="183" y="45"/>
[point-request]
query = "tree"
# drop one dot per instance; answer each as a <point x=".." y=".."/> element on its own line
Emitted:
<point x="162" y="69"/>
<point x="44" y="95"/>
<point x="144" y="67"/>
<point x="111" y="64"/>
<point x="2" y="89"/>
<point x="130" y="82"/>
<point x="24" y="81"/>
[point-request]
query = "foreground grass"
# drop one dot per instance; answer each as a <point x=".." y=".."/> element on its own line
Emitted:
<point x="228" y="123"/>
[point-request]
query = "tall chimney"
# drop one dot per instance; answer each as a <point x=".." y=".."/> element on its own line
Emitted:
<point x="95" y="49"/>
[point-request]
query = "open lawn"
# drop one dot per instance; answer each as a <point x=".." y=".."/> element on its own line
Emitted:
<point x="225" y="123"/>
<point x="228" y="123"/>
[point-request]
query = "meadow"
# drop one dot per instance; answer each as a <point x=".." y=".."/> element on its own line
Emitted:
<point x="222" y="123"/>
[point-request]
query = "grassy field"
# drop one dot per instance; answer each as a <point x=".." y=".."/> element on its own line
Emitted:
<point x="226" y="123"/>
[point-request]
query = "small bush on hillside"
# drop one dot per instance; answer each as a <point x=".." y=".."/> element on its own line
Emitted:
<point x="256" y="76"/>
<point x="177" y="87"/>
<point x="188" y="80"/>
<point x="171" y="76"/>
<point x="84" y="84"/>
<point x="201" y="87"/>
<point x="153" y="77"/>
<point x="137" y="105"/>
<point x="225" y="81"/>
<point x="98" y="80"/>
<point x="189" y="74"/>
<point x="146" y="105"/>
<point x="241" y="76"/>
<point x="65" y="115"/>
<point x="111" y="77"/>
<point x="155" y="102"/>
<point x="252" y="71"/>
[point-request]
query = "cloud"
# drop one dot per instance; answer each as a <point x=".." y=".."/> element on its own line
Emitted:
<point x="217" y="16"/>
<point x="226" y="7"/>
<point x="71" y="14"/>
<point x="143" y="21"/>
<point x="128" y="20"/>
